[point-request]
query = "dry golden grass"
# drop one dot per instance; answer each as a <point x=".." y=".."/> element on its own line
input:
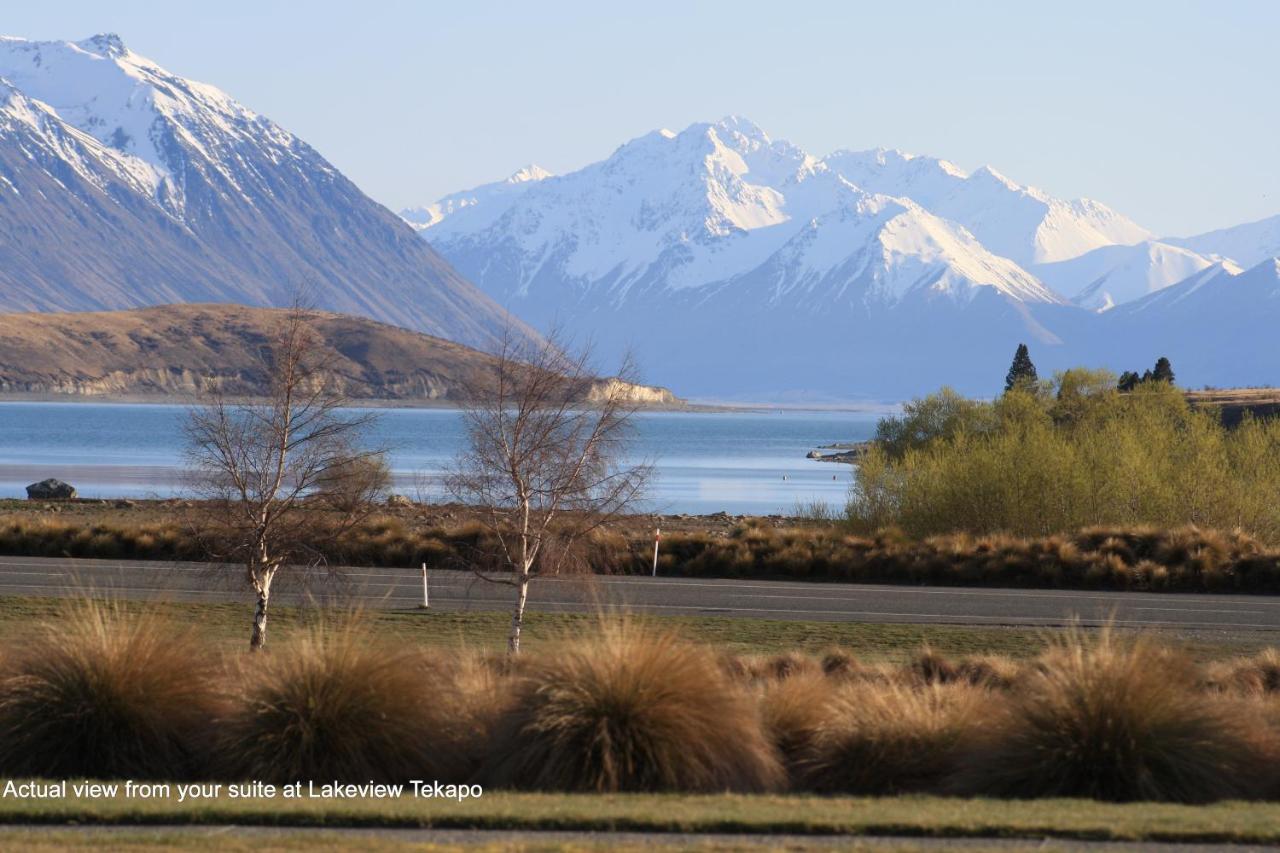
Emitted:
<point x="335" y="705"/>
<point x="105" y="692"/>
<point x="94" y="693"/>
<point x="1118" y="720"/>
<point x="630" y="710"/>
<point x="793" y="710"/>
<point x="1114" y="557"/>
<point x="889" y="738"/>
<point x="1259" y="674"/>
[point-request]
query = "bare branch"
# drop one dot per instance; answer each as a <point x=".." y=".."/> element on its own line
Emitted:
<point x="282" y="475"/>
<point x="547" y="462"/>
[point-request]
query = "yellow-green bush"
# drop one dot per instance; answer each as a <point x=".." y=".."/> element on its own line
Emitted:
<point x="1034" y="464"/>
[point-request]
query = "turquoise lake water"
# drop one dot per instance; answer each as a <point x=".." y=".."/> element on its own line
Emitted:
<point x="735" y="462"/>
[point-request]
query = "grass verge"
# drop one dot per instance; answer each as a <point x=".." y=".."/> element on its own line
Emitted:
<point x="227" y="626"/>
<point x="1230" y="822"/>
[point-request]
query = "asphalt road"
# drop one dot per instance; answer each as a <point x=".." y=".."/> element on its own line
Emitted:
<point x="782" y="600"/>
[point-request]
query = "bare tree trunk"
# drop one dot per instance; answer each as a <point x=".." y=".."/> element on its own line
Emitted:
<point x="263" y="588"/>
<point x="517" y="615"/>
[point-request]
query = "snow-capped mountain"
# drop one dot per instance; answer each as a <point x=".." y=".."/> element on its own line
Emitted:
<point x="482" y="202"/>
<point x="123" y="185"/>
<point x="1247" y="244"/>
<point x="699" y="209"/>
<point x="1113" y="275"/>
<point x="1023" y="224"/>
<point x="719" y="253"/>
<point x="743" y="264"/>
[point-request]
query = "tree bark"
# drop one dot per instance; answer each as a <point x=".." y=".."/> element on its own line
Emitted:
<point x="259" y="638"/>
<point x="517" y="615"/>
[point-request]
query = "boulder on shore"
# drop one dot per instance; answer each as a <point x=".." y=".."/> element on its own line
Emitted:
<point x="50" y="490"/>
<point x="399" y="500"/>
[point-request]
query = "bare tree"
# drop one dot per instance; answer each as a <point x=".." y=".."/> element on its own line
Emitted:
<point x="281" y="476"/>
<point x="546" y="463"/>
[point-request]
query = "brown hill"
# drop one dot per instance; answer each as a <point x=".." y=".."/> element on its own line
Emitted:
<point x="180" y="350"/>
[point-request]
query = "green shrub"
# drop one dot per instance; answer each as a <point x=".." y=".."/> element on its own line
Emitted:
<point x="1037" y="464"/>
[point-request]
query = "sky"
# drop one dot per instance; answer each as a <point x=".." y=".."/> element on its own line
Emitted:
<point x="1167" y="111"/>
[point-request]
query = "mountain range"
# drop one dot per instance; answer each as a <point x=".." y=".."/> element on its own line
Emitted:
<point x="743" y="265"/>
<point x="125" y="185"/>
<point x="734" y="264"/>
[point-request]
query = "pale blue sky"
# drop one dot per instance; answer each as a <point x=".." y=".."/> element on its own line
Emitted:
<point x="1165" y="110"/>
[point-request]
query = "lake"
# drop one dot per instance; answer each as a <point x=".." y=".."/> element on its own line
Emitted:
<point x="735" y="462"/>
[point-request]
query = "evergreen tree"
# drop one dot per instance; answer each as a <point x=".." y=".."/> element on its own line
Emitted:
<point x="1147" y="376"/>
<point x="1128" y="381"/>
<point x="1022" y="372"/>
<point x="1163" y="371"/>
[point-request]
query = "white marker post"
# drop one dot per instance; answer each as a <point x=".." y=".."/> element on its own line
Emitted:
<point x="426" y="600"/>
<point x="657" y="536"/>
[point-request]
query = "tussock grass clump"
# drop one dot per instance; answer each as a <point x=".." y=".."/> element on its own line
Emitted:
<point x="840" y="663"/>
<point x="39" y="537"/>
<point x="794" y="710"/>
<point x="99" y="692"/>
<point x="929" y="667"/>
<point x="888" y="739"/>
<point x="630" y="710"/>
<point x="1115" y="556"/>
<point x="336" y="705"/>
<point x="990" y="671"/>
<point x="1118" y="720"/>
<point x="1259" y="674"/>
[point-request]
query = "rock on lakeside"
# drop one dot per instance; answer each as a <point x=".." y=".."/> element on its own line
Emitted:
<point x="51" y="490"/>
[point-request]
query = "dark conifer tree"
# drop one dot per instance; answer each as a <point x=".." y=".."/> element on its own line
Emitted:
<point x="1022" y="373"/>
<point x="1128" y="381"/>
<point x="1163" y="371"/>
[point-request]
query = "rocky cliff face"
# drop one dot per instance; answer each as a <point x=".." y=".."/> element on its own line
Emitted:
<point x="645" y="395"/>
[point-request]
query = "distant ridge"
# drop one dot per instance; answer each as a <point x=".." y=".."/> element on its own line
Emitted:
<point x="176" y="351"/>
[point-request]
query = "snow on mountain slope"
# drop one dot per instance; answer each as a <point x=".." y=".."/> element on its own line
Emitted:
<point x="1021" y="223"/>
<point x="135" y="107"/>
<point x="706" y="206"/>
<point x="124" y="185"/>
<point x="478" y="207"/>
<point x="902" y="250"/>
<point x="1216" y="285"/>
<point x="85" y="155"/>
<point x="679" y="207"/>
<point x="1112" y="275"/>
<point x="1247" y="244"/>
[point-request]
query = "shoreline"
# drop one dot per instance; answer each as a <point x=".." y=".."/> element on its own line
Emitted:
<point x="691" y="406"/>
<point x="358" y="403"/>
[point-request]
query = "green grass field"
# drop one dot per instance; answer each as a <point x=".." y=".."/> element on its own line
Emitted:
<point x="926" y="817"/>
<point x="227" y="625"/>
